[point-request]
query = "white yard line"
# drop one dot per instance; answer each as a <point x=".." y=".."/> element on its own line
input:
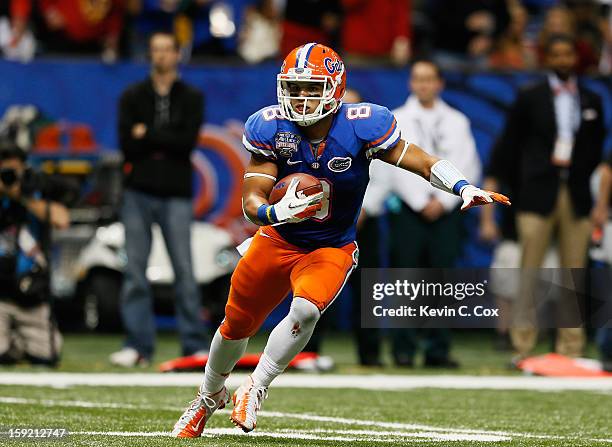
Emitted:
<point x="83" y="404"/>
<point x="368" y="382"/>
<point x="217" y="432"/>
<point x="417" y="430"/>
<point x="458" y="436"/>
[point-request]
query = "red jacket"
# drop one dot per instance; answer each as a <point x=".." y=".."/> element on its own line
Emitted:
<point x="21" y="8"/>
<point x="84" y="20"/>
<point x="371" y="26"/>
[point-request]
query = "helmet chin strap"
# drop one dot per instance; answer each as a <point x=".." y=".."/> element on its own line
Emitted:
<point x="307" y="123"/>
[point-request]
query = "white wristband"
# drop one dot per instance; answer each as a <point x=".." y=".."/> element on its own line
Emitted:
<point x="444" y="176"/>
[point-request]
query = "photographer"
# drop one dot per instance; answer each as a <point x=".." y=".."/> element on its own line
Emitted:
<point x="27" y="331"/>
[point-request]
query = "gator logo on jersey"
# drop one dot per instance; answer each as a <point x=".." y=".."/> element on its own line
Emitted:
<point x="333" y="66"/>
<point x="287" y="143"/>
<point x="339" y="164"/>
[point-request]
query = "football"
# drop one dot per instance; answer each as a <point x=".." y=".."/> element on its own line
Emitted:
<point x="307" y="186"/>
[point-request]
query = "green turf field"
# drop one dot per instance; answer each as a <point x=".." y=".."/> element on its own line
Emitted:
<point x="143" y="416"/>
<point x="300" y="417"/>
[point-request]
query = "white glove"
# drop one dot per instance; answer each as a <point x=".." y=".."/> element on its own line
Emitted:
<point x="296" y="207"/>
<point x="473" y="196"/>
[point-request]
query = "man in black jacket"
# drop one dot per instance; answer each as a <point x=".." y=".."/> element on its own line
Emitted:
<point x="159" y="122"/>
<point x="551" y="144"/>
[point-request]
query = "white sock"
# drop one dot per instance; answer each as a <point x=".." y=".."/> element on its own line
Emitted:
<point x="222" y="357"/>
<point x="286" y="340"/>
<point x="266" y="370"/>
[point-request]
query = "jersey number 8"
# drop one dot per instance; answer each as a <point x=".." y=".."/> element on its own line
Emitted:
<point x="358" y="112"/>
<point x="323" y="213"/>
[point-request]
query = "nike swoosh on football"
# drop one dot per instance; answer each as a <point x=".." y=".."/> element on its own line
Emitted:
<point x="289" y="162"/>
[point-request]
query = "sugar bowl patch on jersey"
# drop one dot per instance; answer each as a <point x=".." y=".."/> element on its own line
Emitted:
<point x="287" y="143"/>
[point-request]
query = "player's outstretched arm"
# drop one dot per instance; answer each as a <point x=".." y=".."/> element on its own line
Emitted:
<point x="441" y="174"/>
<point x="259" y="180"/>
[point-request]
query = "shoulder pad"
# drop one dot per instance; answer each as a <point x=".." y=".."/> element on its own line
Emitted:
<point x="259" y="132"/>
<point x="374" y="125"/>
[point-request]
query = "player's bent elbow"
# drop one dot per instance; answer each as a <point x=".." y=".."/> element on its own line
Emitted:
<point x="426" y="170"/>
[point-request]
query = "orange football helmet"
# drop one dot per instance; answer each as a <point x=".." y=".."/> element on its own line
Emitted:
<point x="317" y="64"/>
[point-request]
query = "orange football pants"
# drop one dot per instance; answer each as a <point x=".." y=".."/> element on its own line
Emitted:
<point x="271" y="268"/>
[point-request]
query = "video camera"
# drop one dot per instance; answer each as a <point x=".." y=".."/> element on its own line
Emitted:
<point x="33" y="182"/>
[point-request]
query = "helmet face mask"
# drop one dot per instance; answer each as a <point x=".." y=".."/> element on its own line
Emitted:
<point x="324" y="71"/>
<point x="320" y="91"/>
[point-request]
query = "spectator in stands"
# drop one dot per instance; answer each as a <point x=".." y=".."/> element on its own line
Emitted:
<point x="512" y="50"/>
<point x="310" y="21"/>
<point x="551" y="144"/>
<point x="557" y="20"/>
<point x="561" y="20"/>
<point x="16" y="39"/>
<point x="388" y="31"/>
<point x="260" y="32"/>
<point x="187" y="20"/>
<point x="215" y="25"/>
<point x="27" y="330"/>
<point x="147" y="17"/>
<point x="74" y="26"/>
<point x="466" y="30"/>
<point x="159" y="123"/>
<point x="589" y="34"/>
<point x="207" y="28"/>
<point x="427" y="230"/>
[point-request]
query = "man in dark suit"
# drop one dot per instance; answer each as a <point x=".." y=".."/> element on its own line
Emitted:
<point x="551" y="144"/>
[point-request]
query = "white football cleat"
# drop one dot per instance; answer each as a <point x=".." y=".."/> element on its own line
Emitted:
<point x="247" y="402"/>
<point x="192" y="422"/>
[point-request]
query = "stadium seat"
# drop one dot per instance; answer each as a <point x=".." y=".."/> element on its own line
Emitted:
<point x="81" y="139"/>
<point x="48" y="139"/>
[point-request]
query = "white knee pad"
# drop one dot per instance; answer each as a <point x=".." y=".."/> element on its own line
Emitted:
<point x="304" y="313"/>
<point x="286" y="340"/>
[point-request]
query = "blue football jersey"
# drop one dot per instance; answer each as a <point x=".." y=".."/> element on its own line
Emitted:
<point x="359" y="133"/>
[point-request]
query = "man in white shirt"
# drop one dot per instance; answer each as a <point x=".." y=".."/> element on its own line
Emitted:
<point x="427" y="230"/>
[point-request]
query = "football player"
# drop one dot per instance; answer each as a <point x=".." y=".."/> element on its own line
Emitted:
<point x="304" y="244"/>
